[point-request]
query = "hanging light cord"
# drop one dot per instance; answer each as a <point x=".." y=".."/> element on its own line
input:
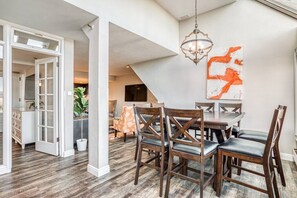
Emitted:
<point x="196" y="24"/>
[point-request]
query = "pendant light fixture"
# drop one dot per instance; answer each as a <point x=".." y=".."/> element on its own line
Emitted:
<point x="197" y="44"/>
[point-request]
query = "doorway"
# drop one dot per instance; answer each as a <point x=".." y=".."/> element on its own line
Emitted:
<point x="34" y="100"/>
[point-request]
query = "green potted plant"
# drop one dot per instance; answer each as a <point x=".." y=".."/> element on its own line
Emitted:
<point x="80" y="108"/>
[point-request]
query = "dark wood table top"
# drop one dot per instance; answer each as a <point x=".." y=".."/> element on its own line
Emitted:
<point x="221" y="120"/>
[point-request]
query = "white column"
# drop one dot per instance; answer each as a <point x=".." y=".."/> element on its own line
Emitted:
<point x="68" y="98"/>
<point x="98" y="34"/>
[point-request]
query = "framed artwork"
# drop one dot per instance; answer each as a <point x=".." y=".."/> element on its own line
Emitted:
<point x="224" y="74"/>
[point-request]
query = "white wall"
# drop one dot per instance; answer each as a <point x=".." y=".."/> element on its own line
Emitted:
<point x="269" y="40"/>
<point x="143" y="17"/>
<point x="117" y="91"/>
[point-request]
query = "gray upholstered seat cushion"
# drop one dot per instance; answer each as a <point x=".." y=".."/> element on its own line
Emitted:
<point x="245" y="147"/>
<point x="154" y="142"/>
<point x="257" y="136"/>
<point x="209" y="147"/>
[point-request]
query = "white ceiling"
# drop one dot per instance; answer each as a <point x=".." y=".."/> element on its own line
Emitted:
<point x="51" y="16"/>
<point x="60" y="18"/>
<point x="183" y="9"/>
<point x="128" y="48"/>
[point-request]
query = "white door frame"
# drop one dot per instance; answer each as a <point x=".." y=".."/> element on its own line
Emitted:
<point x="7" y="76"/>
<point x="7" y="81"/>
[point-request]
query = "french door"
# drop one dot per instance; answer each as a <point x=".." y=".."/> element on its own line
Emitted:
<point x="46" y="122"/>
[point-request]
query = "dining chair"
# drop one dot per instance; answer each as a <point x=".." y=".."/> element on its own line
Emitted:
<point x="206" y="107"/>
<point x="235" y="108"/>
<point x="261" y="137"/>
<point x="187" y="147"/>
<point x="151" y="105"/>
<point x="253" y="152"/>
<point x="151" y="136"/>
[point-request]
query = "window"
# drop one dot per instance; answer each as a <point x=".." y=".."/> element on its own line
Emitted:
<point x="35" y="41"/>
<point x="289" y="4"/>
<point x="288" y="7"/>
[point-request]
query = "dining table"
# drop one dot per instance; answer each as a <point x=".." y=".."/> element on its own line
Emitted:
<point x="222" y="122"/>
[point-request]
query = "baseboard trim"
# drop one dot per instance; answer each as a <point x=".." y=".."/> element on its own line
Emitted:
<point x="4" y="170"/>
<point x="287" y="157"/>
<point x="68" y="153"/>
<point x="98" y="172"/>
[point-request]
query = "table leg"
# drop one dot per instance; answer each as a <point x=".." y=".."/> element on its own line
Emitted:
<point x="228" y="132"/>
<point x="219" y="135"/>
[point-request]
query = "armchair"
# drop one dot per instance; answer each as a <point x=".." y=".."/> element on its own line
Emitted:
<point x="126" y="123"/>
<point x="111" y="111"/>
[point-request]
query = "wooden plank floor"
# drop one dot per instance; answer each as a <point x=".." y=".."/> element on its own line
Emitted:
<point x="39" y="175"/>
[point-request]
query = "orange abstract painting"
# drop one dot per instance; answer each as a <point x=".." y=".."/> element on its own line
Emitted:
<point x="224" y="74"/>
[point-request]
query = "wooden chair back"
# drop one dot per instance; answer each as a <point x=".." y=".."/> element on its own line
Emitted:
<point x="149" y="123"/>
<point x="230" y="107"/>
<point x="179" y="121"/>
<point x="275" y="130"/>
<point x="160" y="104"/>
<point x="282" y="120"/>
<point x="205" y="106"/>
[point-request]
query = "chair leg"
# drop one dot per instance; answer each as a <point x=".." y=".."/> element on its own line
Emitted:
<point x="168" y="175"/>
<point x="138" y="164"/>
<point x="186" y="167"/>
<point x="214" y="185"/>
<point x="201" y="179"/>
<point x="162" y="172"/>
<point x="278" y="162"/>
<point x="157" y="160"/>
<point x="136" y="150"/>
<point x="274" y="178"/>
<point x="207" y="134"/>
<point x="239" y="163"/>
<point x="125" y="137"/>
<point x="211" y="135"/>
<point x="115" y="133"/>
<point x="229" y="161"/>
<point x="219" y="173"/>
<point x="267" y="174"/>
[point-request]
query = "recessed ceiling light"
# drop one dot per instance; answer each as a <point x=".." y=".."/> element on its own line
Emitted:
<point x="128" y="66"/>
